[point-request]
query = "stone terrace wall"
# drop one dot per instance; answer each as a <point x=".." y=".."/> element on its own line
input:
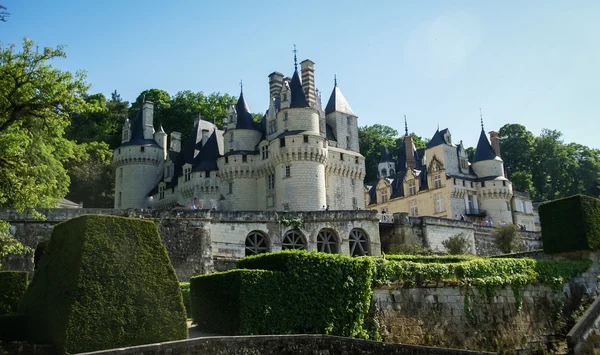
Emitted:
<point x="201" y="241"/>
<point x="442" y="317"/>
<point x="281" y="345"/>
<point x="484" y="241"/>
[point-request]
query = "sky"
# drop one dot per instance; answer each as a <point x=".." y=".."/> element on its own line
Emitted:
<point x="535" y="62"/>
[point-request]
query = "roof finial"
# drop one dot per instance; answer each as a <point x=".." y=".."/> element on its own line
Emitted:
<point x="241" y="85"/>
<point x="295" y="59"/>
<point x="405" y="126"/>
<point x="481" y="117"/>
<point x="438" y="126"/>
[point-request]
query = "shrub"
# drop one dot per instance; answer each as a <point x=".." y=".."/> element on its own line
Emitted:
<point x="185" y="294"/>
<point x="570" y="224"/>
<point x="457" y="244"/>
<point x="12" y="287"/>
<point x="300" y="292"/>
<point x="104" y="282"/>
<point x="507" y="238"/>
<point x="427" y="259"/>
<point x="409" y="249"/>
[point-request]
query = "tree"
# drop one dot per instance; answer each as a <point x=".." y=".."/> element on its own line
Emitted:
<point x="257" y="117"/>
<point x="371" y="139"/>
<point x="8" y="244"/>
<point x="91" y="174"/>
<point x="470" y="153"/>
<point x="522" y="181"/>
<point x="418" y="141"/>
<point x="457" y="244"/>
<point x="516" y="145"/>
<point x="507" y="238"/>
<point x="117" y="112"/>
<point x="36" y="101"/>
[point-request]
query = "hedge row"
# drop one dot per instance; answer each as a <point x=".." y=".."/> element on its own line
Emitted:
<point x="186" y="295"/>
<point x="289" y="292"/>
<point x="12" y="287"/>
<point x="570" y="224"/>
<point x="428" y="259"/>
<point x="104" y="282"/>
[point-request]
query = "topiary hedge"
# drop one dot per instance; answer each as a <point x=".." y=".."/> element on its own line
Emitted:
<point x="299" y="293"/>
<point x="570" y="224"/>
<point x="12" y="287"/>
<point x="186" y="295"/>
<point x="104" y="282"/>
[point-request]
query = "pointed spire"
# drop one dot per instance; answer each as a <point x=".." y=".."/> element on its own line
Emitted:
<point x="337" y="102"/>
<point x="484" y="150"/>
<point x="244" y="117"/>
<point x="385" y="155"/>
<point x="298" y="99"/>
<point x="295" y="59"/>
<point x="405" y="126"/>
<point x="335" y="80"/>
<point x="241" y="85"/>
<point x="481" y="118"/>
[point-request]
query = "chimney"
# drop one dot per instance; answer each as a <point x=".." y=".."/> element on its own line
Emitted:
<point x="410" y="152"/>
<point x="495" y="140"/>
<point x="148" y="119"/>
<point x="176" y="142"/>
<point x="275" y="84"/>
<point x="307" y="67"/>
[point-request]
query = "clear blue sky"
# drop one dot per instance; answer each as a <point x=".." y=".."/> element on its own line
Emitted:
<point x="531" y="62"/>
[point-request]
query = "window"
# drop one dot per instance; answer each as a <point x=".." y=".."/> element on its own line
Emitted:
<point x="256" y="243"/>
<point x="142" y="149"/>
<point x="439" y="203"/>
<point x="272" y="126"/>
<point x="463" y="164"/>
<point x="352" y="181"/>
<point x="187" y="174"/>
<point x="347" y="142"/>
<point x="503" y="182"/>
<point x="264" y="151"/>
<point x="349" y="124"/>
<point x="230" y="188"/>
<point x="285" y="116"/>
<point x="168" y="171"/>
<point x="414" y="211"/>
<point x="384" y="196"/>
<point x="342" y="156"/>
<point x="287" y="171"/>
<point x="226" y="160"/>
<point x="270" y="182"/>
<point x="508" y="205"/>
<point x="483" y="184"/>
<point x="120" y="200"/>
<point x="207" y="174"/>
<point x="305" y="138"/>
<point x="412" y="188"/>
<point x="293" y="240"/>
<point x="359" y="243"/>
<point x="231" y="141"/>
<point x="161" y="192"/>
<point x="327" y="242"/>
<point x="119" y="151"/>
<point x="354" y="202"/>
<point x="437" y="181"/>
<point x="244" y="158"/>
<point x="282" y="142"/>
<point x="356" y="160"/>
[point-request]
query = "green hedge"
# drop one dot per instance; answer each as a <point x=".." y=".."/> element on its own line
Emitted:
<point x="13" y="327"/>
<point x="104" y="282"/>
<point x="427" y="259"/>
<point x="299" y="293"/>
<point x="185" y="293"/>
<point x="570" y="224"/>
<point x="12" y="287"/>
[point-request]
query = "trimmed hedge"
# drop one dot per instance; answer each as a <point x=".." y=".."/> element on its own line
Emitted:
<point x="185" y="293"/>
<point x="12" y="287"/>
<point x="428" y="259"/>
<point x="570" y="224"/>
<point x="299" y="293"/>
<point x="104" y="282"/>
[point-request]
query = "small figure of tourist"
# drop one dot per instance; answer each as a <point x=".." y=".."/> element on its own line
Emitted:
<point x="327" y="208"/>
<point x="462" y="217"/>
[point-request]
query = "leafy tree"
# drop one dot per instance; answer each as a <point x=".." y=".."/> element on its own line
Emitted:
<point x="516" y="145"/>
<point x="470" y="153"/>
<point x="507" y="238"/>
<point x="552" y="167"/>
<point x="91" y="174"/>
<point x="117" y="112"/>
<point x="36" y="101"/>
<point x="371" y="140"/>
<point x="522" y="182"/>
<point x="160" y="98"/>
<point x="418" y="141"/>
<point x="457" y="244"/>
<point x="8" y="244"/>
<point x="257" y="117"/>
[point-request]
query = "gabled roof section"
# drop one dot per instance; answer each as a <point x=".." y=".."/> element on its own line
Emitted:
<point x="337" y="103"/>
<point x="484" y="150"/>
<point x="298" y="99"/>
<point x="385" y="155"/>
<point x="438" y="138"/>
<point x="207" y="157"/>
<point x="137" y="132"/>
<point x="244" y="117"/>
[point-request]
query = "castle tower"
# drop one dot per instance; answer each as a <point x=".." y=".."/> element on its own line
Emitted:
<point x="342" y="119"/>
<point x="139" y="160"/>
<point x="386" y="163"/>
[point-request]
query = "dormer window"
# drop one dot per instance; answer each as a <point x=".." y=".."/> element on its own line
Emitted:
<point x="187" y="173"/>
<point x="437" y="181"/>
<point x="412" y="188"/>
<point x="161" y="192"/>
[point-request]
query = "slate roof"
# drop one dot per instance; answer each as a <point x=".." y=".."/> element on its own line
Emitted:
<point x="438" y="138"/>
<point x="385" y="155"/>
<point x="298" y="100"/>
<point x="484" y="150"/>
<point x="329" y="133"/>
<point x="137" y="132"/>
<point x="244" y="117"/>
<point x="206" y="159"/>
<point x="337" y="103"/>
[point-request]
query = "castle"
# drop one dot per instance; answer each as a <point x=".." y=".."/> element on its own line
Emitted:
<point x="439" y="181"/>
<point x="298" y="158"/>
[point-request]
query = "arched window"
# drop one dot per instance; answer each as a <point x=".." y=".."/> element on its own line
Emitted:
<point x="327" y="242"/>
<point x="359" y="243"/>
<point x="293" y="239"/>
<point x="256" y="243"/>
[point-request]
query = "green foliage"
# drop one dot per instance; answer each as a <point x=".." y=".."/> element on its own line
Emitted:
<point x="371" y="139"/>
<point x="186" y="295"/>
<point x="507" y="238"/>
<point x="294" y="222"/>
<point x="8" y="244"/>
<point x="104" y="282"/>
<point x="409" y="249"/>
<point x="570" y="224"/>
<point x="12" y="287"/>
<point x="428" y="259"/>
<point x="457" y="244"/>
<point x="288" y="292"/>
<point x="92" y="176"/>
<point x="36" y="100"/>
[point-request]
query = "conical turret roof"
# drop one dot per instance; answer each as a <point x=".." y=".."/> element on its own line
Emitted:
<point x="298" y="98"/>
<point x="337" y="103"/>
<point x="484" y="150"/>
<point x="244" y="117"/>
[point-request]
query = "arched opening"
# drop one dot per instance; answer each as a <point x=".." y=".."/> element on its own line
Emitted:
<point x="384" y="172"/>
<point x="359" y="243"/>
<point x="327" y="241"/>
<point x="256" y="243"/>
<point x="293" y="239"/>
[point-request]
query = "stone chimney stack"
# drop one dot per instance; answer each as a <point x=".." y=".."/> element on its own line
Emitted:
<point x="307" y="67"/>
<point x="495" y="141"/>
<point x="275" y="84"/>
<point x="410" y="152"/>
<point x="176" y="142"/>
<point x="148" y="119"/>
